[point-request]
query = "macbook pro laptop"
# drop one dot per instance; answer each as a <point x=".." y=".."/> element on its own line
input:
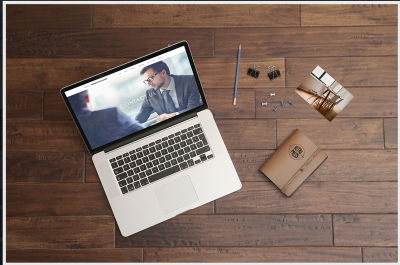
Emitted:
<point x="154" y="143"/>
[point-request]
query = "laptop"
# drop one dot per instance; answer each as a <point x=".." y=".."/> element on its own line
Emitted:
<point x="153" y="140"/>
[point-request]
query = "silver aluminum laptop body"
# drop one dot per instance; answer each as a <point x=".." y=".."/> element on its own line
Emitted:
<point x="202" y="178"/>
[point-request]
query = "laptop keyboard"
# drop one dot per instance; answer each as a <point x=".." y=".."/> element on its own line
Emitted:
<point x="159" y="159"/>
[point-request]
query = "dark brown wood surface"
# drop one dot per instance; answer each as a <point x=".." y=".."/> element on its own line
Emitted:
<point x="347" y="211"/>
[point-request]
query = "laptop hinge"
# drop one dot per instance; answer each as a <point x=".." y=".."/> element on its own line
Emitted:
<point x="150" y="131"/>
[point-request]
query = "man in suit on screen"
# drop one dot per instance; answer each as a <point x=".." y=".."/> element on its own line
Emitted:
<point x="169" y="95"/>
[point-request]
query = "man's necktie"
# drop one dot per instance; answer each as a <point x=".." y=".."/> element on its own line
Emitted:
<point x="169" y="103"/>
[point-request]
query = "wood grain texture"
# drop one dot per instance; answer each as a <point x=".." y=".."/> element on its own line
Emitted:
<point x="338" y="134"/>
<point x="54" y="107"/>
<point x="380" y="255"/>
<point x="234" y="230"/>
<point x="391" y="135"/>
<point x="24" y="104"/>
<point x="50" y="200"/>
<point x="76" y="255"/>
<point x="221" y="72"/>
<point x="63" y="232"/>
<point x="44" y="136"/>
<point x="254" y="254"/>
<point x="341" y="165"/>
<point x="48" y="16"/>
<point x="312" y="197"/>
<point x="247" y="133"/>
<point x="39" y="167"/>
<point x="365" y="230"/>
<point x="220" y="102"/>
<point x="366" y="103"/>
<point x="378" y="71"/>
<point x="202" y="16"/>
<point x="100" y="43"/>
<point x="327" y="15"/>
<point x="306" y="41"/>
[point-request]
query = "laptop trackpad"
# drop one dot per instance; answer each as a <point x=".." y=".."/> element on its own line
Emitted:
<point x="176" y="194"/>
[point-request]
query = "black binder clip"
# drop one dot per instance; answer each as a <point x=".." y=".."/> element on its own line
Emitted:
<point x="274" y="73"/>
<point x="253" y="72"/>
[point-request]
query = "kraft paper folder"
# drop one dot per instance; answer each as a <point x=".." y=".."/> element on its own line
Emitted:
<point x="293" y="162"/>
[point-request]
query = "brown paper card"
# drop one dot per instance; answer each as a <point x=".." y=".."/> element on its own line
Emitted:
<point x="293" y="162"/>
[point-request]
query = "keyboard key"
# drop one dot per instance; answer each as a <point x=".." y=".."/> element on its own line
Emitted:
<point x="189" y="134"/>
<point x="130" y="172"/>
<point x="190" y="162"/>
<point x="162" y="159"/>
<point x="177" y="146"/>
<point x="140" y="154"/>
<point x="121" y="176"/>
<point x="152" y="157"/>
<point x="143" y="167"/>
<point x="119" y="157"/>
<point x="120" y="162"/>
<point x="183" y="165"/>
<point x="171" y="136"/>
<point x="155" y="162"/>
<point x="184" y="137"/>
<point x="182" y="144"/>
<point x="210" y="156"/>
<point x="197" y="125"/>
<point x="149" y="165"/>
<point x="148" y="172"/>
<point x="171" y="142"/>
<point x="145" y="159"/>
<point x="133" y="157"/>
<point x="164" y="144"/>
<point x="197" y="131"/>
<point x="152" y="149"/>
<point x="137" y="184"/>
<point x="145" y="146"/>
<point x="192" y="154"/>
<point x="189" y="141"/>
<point x="139" y="162"/>
<point x="114" y="165"/>
<point x="139" y="149"/>
<point x="125" y="155"/>
<point x="118" y="170"/>
<point x="159" y="147"/>
<point x="158" y="154"/>
<point x="180" y="152"/>
<point x="187" y="149"/>
<point x="174" y="162"/>
<point x="177" y="133"/>
<point x="190" y="128"/>
<point x="180" y="159"/>
<point x="203" y="157"/>
<point x="144" y="182"/>
<point x="203" y="150"/>
<point x="142" y="175"/>
<point x="136" y="170"/>
<point x="164" y="173"/>
<point x="130" y="187"/>
<point x="152" y="144"/>
<point x="164" y="152"/>
<point x="126" y="167"/>
<point x="186" y="156"/>
<point x="164" y="139"/>
<point x="161" y="167"/>
<point x="168" y="157"/>
<point x="154" y="169"/>
<point x="129" y="180"/>
<point x="174" y="154"/>
<point x="158" y="141"/>
<point x="196" y="139"/>
<point x="132" y="165"/>
<point x="168" y="164"/>
<point x="193" y="147"/>
<point x="184" y="131"/>
<point x="132" y="152"/>
<point x="146" y="152"/>
<point x="112" y="160"/>
<point x="124" y="190"/>
<point x="177" y="139"/>
<point x="199" y="144"/>
<point x="122" y="183"/>
<point x="197" y="161"/>
<point x="170" y="149"/>
<point x="135" y="177"/>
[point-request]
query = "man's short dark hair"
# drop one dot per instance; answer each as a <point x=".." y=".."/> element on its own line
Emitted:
<point x="158" y="67"/>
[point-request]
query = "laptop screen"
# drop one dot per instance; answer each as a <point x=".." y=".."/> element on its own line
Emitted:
<point x="135" y="97"/>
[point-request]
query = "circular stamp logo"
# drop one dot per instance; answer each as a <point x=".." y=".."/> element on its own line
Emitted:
<point x="296" y="151"/>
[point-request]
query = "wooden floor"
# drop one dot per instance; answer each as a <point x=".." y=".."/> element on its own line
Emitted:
<point x="346" y="212"/>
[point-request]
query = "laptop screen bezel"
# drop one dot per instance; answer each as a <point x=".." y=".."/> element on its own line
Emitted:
<point x="150" y="129"/>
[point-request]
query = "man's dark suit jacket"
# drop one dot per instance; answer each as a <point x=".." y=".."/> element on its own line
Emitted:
<point x="186" y="91"/>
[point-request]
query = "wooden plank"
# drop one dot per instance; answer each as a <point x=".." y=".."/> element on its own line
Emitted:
<point x="44" y="136"/>
<point x="312" y="197"/>
<point x="234" y="230"/>
<point x="54" y="74"/>
<point x="356" y="15"/>
<point x="341" y="165"/>
<point x="203" y="16"/>
<point x="253" y="254"/>
<point x="247" y="133"/>
<point x="56" y="200"/>
<point x="221" y="72"/>
<point x="100" y="43"/>
<point x="365" y="230"/>
<point x="33" y="167"/>
<point x="76" y="255"/>
<point x="306" y="41"/>
<point x="366" y="103"/>
<point x="390" y="129"/>
<point x="54" y="107"/>
<point x="338" y="134"/>
<point x="24" y="104"/>
<point x="378" y="71"/>
<point x="48" y="16"/>
<point x="51" y="232"/>
<point x="220" y="102"/>
<point x="380" y="255"/>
